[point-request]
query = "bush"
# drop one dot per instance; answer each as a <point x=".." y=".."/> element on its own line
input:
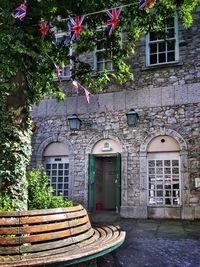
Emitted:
<point x="40" y="194"/>
<point x="7" y="203"/>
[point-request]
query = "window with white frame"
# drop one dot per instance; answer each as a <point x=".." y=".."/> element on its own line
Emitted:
<point x="65" y="39"/>
<point x="162" y="47"/>
<point x="102" y="57"/>
<point x="57" y="168"/>
<point x="164" y="179"/>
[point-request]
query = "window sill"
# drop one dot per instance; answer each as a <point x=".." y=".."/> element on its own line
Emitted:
<point x="159" y="66"/>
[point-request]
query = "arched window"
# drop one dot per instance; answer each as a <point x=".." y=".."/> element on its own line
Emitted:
<point x="56" y="162"/>
<point x="164" y="185"/>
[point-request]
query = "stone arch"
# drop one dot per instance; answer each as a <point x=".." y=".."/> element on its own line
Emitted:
<point x="48" y="141"/>
<point x="61" y="139"/>
<point x="183" y="163"/>
<point x="91" y="143"/>
<point x="160" y="132"/>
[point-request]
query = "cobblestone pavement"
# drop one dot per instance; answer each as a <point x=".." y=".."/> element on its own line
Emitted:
<point x="154" y="243"/>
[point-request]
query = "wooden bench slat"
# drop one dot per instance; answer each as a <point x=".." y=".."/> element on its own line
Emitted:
<point x="55" y="244"/>
<point x="55" y="235"/>
<point x="51" y="211"/>
<point x="9" y="221"/>
<point x="52" y="217"/>
<point x="9" y="250"/>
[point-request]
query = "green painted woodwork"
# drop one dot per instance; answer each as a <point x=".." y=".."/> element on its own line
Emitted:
<point x="87" y="258"/>
<point x="91" y="173"/>
<point x="118" y="177"/>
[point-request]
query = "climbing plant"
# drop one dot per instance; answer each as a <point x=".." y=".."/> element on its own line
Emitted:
<point x="27" y="63"/>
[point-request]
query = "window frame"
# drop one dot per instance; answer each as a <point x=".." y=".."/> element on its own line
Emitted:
<point x="64" y="160"/>
<point x="175" y="38"/>
<point x="95" y="62"/>
<point x="69" y="66"/>
<point x="164" y="157"/>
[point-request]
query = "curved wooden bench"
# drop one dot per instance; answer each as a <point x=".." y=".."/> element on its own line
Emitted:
<point x="57" y="237"/>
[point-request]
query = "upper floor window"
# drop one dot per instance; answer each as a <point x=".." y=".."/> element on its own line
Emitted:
<point x="103" y="59"/>
<point x="64" y="38"/>
<point x="162" y="46"/>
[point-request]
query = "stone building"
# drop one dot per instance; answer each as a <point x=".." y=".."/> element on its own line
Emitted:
<point x="151" y="170"/>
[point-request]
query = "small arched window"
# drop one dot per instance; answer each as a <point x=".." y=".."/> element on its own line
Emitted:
<point x="164" y="172"/>
<point x="56" y="162"/>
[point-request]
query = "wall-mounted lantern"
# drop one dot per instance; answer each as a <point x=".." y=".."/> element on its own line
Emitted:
<point x="74" y="122"/>
<point x="132" y="117"/>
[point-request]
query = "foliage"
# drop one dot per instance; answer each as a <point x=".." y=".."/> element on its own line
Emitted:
<point x="40" y="194"/>
<point x="27" y="64"/>
<point x="6" y="203"/>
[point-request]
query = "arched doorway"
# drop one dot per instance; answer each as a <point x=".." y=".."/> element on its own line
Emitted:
<point x="104" y="191"/>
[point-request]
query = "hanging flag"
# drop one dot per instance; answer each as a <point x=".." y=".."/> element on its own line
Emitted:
<point x="20" y="11"/>
<point x="43" y="29"/>
<point x="87" y="95"/>
<point x="58" y="72"/>
<point x="146" y="3"/>
<point x="112" y="18"/>
<point x="76" y="87"/>
<point x="76" y="27"/>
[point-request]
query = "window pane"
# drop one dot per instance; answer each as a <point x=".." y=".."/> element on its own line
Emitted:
<point x="54" y="172"/>
<point x="159" y="170"/>
<point x="167" y="162"/>
<point x="100" y="66"/>
<point x="54" y="166"/>
<point x="153" y="36"/>
<point x="60" y="172"/>
<point x="53" y="179"/>
<point x="170" y="45"/>
<point x="108" y="65"/>
<point x="162" y="47"/>
<point x="151" y="170"/>
<point x="66" y="172"/>
<point x="153" y="59"/>
<point x="60" y="179"/>
<point x="161" y="35"/>
<point x="100" y="56"/>
<point x="170" y="33"/>
<point x="170" y="56"/>
<point x="151" y="163"/>
<point x="60" y="166"/>
<point x="175" y="163"/>
<point x="162" y="58"/>
<point x="159" y="163"/>
<point x="153" y="48"/>
<point x="48" y="166"/>
<point x="66" y="165"/>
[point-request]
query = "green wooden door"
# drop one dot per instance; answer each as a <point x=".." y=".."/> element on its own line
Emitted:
<point x="91" y="173"/>
<point x="118" y="188"/>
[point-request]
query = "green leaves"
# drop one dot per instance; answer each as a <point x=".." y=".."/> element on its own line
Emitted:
<point x="40" y="195"/>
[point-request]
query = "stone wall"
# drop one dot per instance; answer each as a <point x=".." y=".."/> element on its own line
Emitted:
<point x="167" y="100"/>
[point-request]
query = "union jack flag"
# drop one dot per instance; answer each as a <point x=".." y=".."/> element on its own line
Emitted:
<point x="20" y="11"/>
<point x="112" y="18"/>
<point x="75" y="27"/>
<point x="87" y="95"/>
<point x="146" y="3"/>
<point x="43" y="29"/>
<point x="58" y="72"/>
<point x="76" y="86"/>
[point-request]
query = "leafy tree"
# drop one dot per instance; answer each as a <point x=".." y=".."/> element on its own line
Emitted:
<point x="27" y="63"/>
